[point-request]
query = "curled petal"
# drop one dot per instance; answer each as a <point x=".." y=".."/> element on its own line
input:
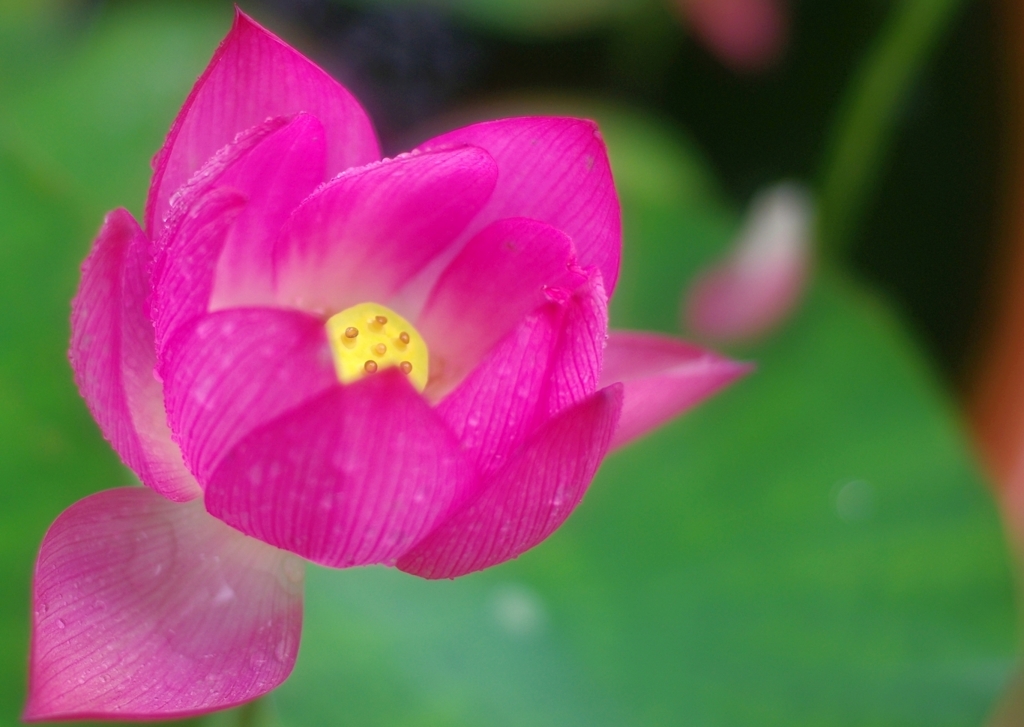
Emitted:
<point x="211" y="172"/>
<point x="662" y="378"/>
<point x="254" y="76"/>
<point x="183" y="276"/>
<point x="528" y="499"/>
<point x="353" y="477"/>
<point x="144" y="608"/>
<point x="495" y="408"/>
<point x="554" y="170"/>
<point x="370" y="230"/>
<point x="502" y="274"/>
<point x="576" y="364"/>
<point x="761" y="281"/>
<point x="231" y="371"/>
<point x="113" y="356"/>
<point x="275" y="178"/>
<point x="549" y="362"/>
<point x="273" y="166"/>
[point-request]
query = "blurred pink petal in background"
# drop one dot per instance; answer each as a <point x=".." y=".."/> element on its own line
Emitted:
<point x="747" y="35"/>
<point x="758" y="284"/>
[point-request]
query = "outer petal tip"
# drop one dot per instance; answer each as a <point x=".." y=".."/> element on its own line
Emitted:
<point x="662" y="378"/>
<point x="254" y="75"/>
<point x="148" y="609"/>
<point x="761" y="280"/>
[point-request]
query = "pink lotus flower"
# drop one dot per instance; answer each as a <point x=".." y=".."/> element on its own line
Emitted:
<point x="311" y="353"/>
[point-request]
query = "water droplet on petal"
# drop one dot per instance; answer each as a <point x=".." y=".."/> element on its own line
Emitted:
<point x="293" y="569"/>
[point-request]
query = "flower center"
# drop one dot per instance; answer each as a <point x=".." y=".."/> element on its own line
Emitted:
<point x="369" y="337"/>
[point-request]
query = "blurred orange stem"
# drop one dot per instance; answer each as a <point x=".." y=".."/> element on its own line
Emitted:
<point x="997" y="398"/>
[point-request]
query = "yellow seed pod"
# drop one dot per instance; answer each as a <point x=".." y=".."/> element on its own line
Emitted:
<point x="369" y="337"/>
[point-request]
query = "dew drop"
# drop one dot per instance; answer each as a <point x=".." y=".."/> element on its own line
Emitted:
<point x="61" y="624"/>
<point x="371" y="367"/>
<point x="283" y="650"/>
<point x="293" y="569"/>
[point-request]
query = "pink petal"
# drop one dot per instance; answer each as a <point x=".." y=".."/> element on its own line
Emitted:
<point x="209" y="174"/>
<point x="274" y="174"/>
<point x="184" y="273"/>
<point x="503" y="273"/>
<point x="275" y="177"/>
<point x="748" y="35"/>
<point x="361" y="237"/>
<point x="113" y="356"/>
<point x="253" y="76"/>
<point x="528" y="499"/>
<point x="145" y="608"/>
<point x="231" y="371"/>
<point x="556" y="171"/>
<point x="576" y="365"/>
<point x="494" y="410"/>
<point x="549" y="362"/>
<point x="662" y="378"/>
<point x="760" y="282"/>
<point x="352" y="477"/>
<point x="271" y="167"/>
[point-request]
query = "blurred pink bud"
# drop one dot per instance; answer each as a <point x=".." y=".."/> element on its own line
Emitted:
<point x="758" y="284"/>
<point x="748" y="35"/>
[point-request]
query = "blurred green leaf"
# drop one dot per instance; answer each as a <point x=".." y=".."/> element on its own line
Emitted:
<point x="97" y="120"/>
<point x="814" y="547"/>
